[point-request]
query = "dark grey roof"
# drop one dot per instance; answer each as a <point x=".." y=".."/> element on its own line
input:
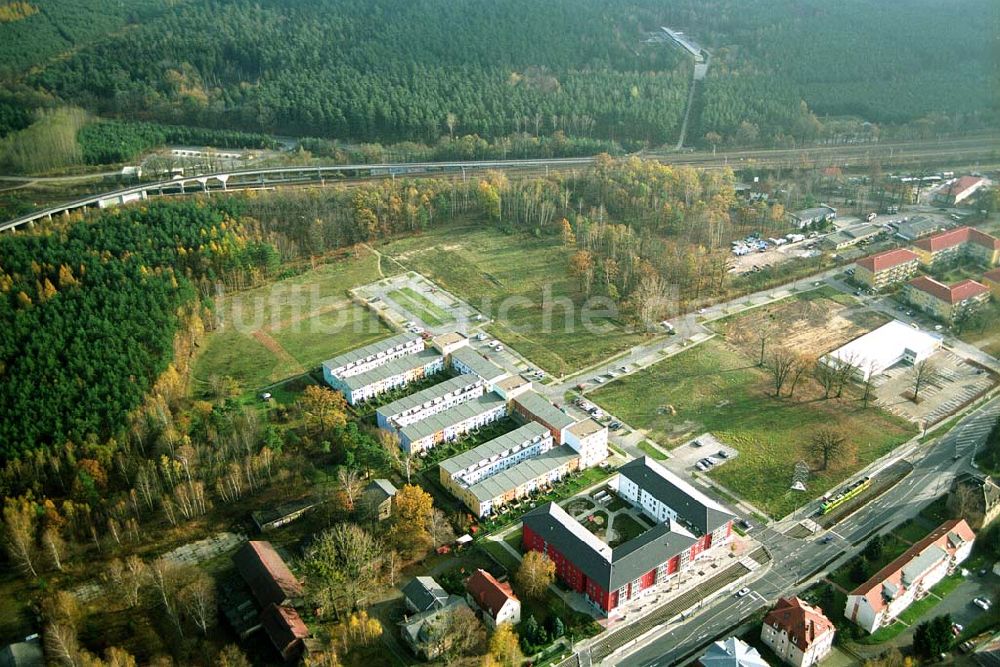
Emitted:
<point x="609" y="568"/>
<point x="694" y="508"/>
<point x="586" y="550"/>
<point x="370" y="350"/>
<point x="424" y="593"/>
<point x="641" y="554"/>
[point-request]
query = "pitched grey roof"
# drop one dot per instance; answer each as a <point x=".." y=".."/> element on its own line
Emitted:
<point x="587" y="551"/>
<point x="419" y="627"/>
<point x="525" y="471"/>
<point x="395" y="367"/>
<point x="479" y="364"/>
<point x="424" y="593"/>
<point x="451" y="416"/>
<point x="609" y="568"/>
<point x="383" y="488"/>
<point x="540" y="406"/>
<point x="424" y="395"/>
<point x="369" y="350"/>
<point x="694" y="508"/>
<point x="493" y="447"/>
<point x="923" y="562"/>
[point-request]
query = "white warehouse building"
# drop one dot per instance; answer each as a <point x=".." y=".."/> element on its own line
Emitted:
<point x="884" y="347"/>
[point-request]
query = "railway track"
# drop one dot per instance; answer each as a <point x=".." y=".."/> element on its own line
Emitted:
<point x="983" y="151"/>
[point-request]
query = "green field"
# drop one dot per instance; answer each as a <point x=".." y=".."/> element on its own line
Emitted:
<point x="509" y="278"/>
<point x="713" y="387"/>
<point x="290" y="326"/>
<point x="420" y="306"/>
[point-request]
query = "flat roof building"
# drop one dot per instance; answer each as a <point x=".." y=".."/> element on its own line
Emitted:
<point x="877" y="350"/>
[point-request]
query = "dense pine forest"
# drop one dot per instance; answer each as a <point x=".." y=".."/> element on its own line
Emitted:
<point x="781" y="72"/>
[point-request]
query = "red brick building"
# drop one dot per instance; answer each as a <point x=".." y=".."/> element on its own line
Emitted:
<point x="610" y="577"/>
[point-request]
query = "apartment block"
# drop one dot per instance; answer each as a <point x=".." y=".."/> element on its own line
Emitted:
<point x="948" y="303"/>
<point x="452" y="423"/>
<point x="886" y="268"/>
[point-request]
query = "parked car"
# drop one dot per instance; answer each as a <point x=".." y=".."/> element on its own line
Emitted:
<point x="480" y="336"/>
<point x="956" y="629"/>
<point x="696" y="443"/>
<point x="982" y="603"/>
<point x="599" y="380"/>
<point x="498" y="348"/>
<point x="745" y="525"/>
<point x="701" y="466"/>
<point x="742" y="592"/>
<point x="615" y="425"/>
<point x="966" y="647"/>
<point x="722" y="454"/>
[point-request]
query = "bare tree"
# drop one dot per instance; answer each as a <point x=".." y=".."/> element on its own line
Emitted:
<point x="350" y="484"/>
<point x="55" y="546"/>
<point x="165" y="575"/>
<point x="19" y="522"/>
<point x="461" y="632"/>
<point x="128" y="578"/>
<point x="867" y="389"/>
<point x="439" y="527"/>
<point x="826" y="375"/>
<point x="198" y="600"/>
<point x="799" y="368"/>
<point x="61" y="644"/>
<point x="827" y="443"/>
<point x="780" y="365"/>
<point x="924" y="373"/>
<point x="844" y="371"/>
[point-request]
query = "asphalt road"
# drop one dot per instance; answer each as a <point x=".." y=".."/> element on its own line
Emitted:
<point x="797" y="562"/>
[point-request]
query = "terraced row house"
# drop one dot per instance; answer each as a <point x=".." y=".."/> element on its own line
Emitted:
<point x="374" y="369"/>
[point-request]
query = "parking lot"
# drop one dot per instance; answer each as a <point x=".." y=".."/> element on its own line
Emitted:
<point x="685" y="458"/>
<point x="955" y="383"/>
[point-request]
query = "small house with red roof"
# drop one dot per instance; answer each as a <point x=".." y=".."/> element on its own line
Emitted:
<point x="798" y="633"/>
<point x="948" y="303"/>
<point x="886" y="268"/>
<point x="960" y="243"/>
<point x="496" y="600"/>
<point x="878" y="601"/>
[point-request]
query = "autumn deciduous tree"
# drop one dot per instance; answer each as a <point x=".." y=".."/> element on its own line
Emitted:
<point x="322" y="408"/>
<point x="411" y="516"/>
<point x="924" y="373"/>
<point x="581" y="267"/>
<point x="505" y="649"/>
<point x="536" y="573"/>
<point x="19" y="523"/>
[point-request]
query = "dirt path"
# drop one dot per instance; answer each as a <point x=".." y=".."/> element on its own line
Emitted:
<point x="274" y="346"/>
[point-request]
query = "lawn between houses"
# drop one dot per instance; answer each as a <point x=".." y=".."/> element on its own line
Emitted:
<point x="714" y="387"/>
<point x="510" y="278"/>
